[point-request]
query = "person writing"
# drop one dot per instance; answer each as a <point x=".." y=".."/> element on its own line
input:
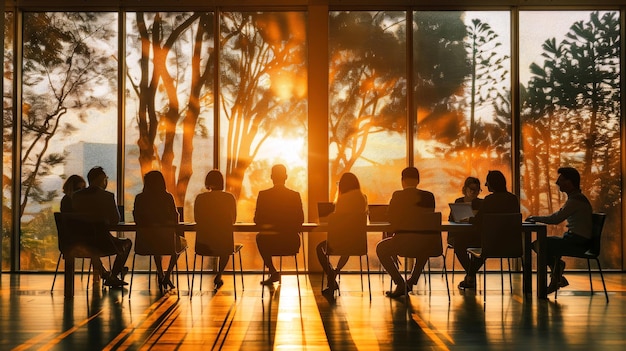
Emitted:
<point x="350" y="200"/>
<point x="471" y="189"/>
<point x="577" y="211"/>
<point x="402" y="208"/>
<point x="280" y="216"/>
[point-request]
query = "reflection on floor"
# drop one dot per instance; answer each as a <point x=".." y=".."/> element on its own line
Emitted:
<point x="33" y="319"/>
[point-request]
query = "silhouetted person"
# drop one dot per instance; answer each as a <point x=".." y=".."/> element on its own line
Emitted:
<point x="155" y="210"/>
<point x="215" y="211"/>
<point x="499" y="201"/>
<point x="577" y="211"/>
<point x="280" y="216"/>
<point x="403" y="206"/>
<point x="73" y="184"/>
<point x="99" y="205"/>
<point x="350" y="200"/>
<point x="471" y="189"/>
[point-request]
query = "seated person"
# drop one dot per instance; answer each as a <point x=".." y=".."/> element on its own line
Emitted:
<point x="577" y="212"/>
<point x="403" y="203"/>
<point x="211" y="209"/>
<point x="280" y="216"/>
<point x="155" y="208"/>
<point x="99" y="205"/>
<point x="499" y="201"/>
<point x="350" y="200"/>
<point x="471" y="189"/>
<point x="73" y="184"/>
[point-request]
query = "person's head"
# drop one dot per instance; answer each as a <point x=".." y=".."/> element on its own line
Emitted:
<point x="214" y="180"/>
<point x="347" y="182"/>
<point x="471" y="188"/>
<point x="97" y="177"/>
<point x="73" y="184"/>
<point x="569" y="179"/>
<point x="496" y="182"/>
<point x="279" y="174"/>
<point x="410" y="177"/>
<point x="154" y="182"/>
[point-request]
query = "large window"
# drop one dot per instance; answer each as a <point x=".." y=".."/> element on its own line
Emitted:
<point x="461" y="79"/>
<point x="229" y="90"/>
<point x="569" y="80"/>
<point x="69" y="117"/>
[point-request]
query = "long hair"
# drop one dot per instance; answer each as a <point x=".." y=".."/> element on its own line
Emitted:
<point x="73" y="184"/>
<point x="154" y="182"/>
<point x="348" y="182"/>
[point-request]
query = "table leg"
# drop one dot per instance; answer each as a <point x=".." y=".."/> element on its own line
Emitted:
<point x="542" y="263"/>
<point x="69" y="277"/>
<point x="527" y="281"/>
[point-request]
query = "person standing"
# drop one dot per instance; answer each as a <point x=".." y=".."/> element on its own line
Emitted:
<point x="279" y="215"/>
<point x="577" y="211"/>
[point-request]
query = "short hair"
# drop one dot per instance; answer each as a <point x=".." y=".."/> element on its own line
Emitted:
<point x="95" y="173"/>
<point x="214" y="180"/>
<point x="496" y="180"/>
<point x="347" y="182"/>
<point x="411" y="173"/>
<point x="279" y="172"/>
<point x="154" y="182"/>
<point x="570" y="174"/>
<point x="72" y="184"/>
<point x="471" y="181"/>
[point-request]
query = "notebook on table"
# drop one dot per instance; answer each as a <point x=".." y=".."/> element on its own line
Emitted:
<point x="460" y="211"/>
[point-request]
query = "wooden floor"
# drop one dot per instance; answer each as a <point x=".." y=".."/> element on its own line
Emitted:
<point x="31" y="318"/>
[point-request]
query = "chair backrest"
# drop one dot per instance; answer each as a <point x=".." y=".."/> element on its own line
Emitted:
<point x="214" y="235"/>
<point x="156" y="240"/>
<point x="81" y="235"/>
<point x="426" y="231"/>
<point x="347" y="234"/>
<point x="597" y="224"/>
<point x="501" y="235"/>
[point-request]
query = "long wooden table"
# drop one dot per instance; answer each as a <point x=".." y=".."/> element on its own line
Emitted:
<point x="528" y="228"/>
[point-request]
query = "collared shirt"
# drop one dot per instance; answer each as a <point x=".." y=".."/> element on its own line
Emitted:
<point x="577" y="211"/>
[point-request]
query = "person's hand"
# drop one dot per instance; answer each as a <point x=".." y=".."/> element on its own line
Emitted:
<point x="531" y="219"/>
<point x="465" y="220"/>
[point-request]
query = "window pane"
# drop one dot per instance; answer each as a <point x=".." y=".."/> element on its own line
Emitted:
<point x="263" y="115"/>
<point x="570" y="81"/>
<point x="169" y="106"/>
<point x="7" y="143"/>
<point x="462" y="88"/>
<point x="68" y="119"/>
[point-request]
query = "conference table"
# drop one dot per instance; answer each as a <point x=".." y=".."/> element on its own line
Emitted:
<point x="528" y="228"/>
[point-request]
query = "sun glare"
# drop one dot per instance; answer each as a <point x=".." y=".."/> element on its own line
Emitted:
<point x="288" y="151"/>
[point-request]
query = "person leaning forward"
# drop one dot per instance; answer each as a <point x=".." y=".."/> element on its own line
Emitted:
<point x="280" y="216"/>
<point x="402" y="207"/>
<point x="99" y="206"/>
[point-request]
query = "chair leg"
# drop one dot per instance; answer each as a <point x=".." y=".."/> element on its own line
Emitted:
<point x="361" y="271"/>
<point x="55" y="272"/>
<point x="295" y="258"/>
<point x="175" y="257"/>
<point x="369" y="284"/>
<point x="485" y="281"/>
<point x="187" y="269"/>
<point x="429" y="285"/>
<point x="132" y="275"/>
<point x="510" y="276"/>
<point x="234" y="277"/>
<point x="445" y="271"/>
<point x="606" y="294"/>
<point x="263" y="278"/>
<point x="501" y="277"/>
<point x="193" y="275"/>
<point x="589" y="272"/>
<point x="240" y="270"/>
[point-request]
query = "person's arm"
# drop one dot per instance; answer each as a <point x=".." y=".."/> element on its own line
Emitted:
<point x="233" y="207"/>
<point x="114" y="215"/>
<point x="559" y="216"/>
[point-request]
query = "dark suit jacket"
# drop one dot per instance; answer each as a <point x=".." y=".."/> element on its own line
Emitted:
<point x="96" y="202"/>
<point x="279" y="209"/>
<point x="403" y="205"/>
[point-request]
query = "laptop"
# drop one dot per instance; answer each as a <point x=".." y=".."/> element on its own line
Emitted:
<point x="324" y="209"/>
<point x="460" y="211"/>
<point x="378" y="213"/>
